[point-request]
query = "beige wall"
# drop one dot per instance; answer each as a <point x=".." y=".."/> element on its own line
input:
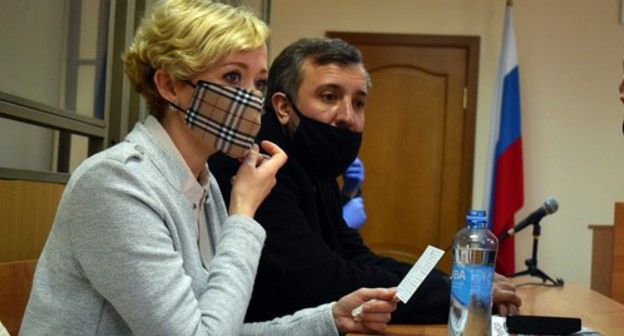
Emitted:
<point x="570" y="54"/>
<point x="34" y="58"/>
<point x="31" y="62"/>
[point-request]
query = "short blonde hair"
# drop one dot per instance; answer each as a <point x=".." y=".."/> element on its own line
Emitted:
<point x="186" y="37"/>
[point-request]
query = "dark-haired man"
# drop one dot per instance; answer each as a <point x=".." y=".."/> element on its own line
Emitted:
<point x="316" y="96"/>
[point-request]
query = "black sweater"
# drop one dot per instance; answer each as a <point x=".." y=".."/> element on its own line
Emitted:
<point x="311" y="256"/>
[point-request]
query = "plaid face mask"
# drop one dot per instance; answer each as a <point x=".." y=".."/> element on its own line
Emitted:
<point x="226" y="117"/>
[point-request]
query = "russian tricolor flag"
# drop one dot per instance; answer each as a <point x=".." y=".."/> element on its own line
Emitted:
<point x="504" y="186"/>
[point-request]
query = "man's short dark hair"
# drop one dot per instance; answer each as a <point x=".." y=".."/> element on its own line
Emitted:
<point x="285" y="74"/>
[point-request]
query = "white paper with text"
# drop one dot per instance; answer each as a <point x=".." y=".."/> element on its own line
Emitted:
<point x="418" y="273"/>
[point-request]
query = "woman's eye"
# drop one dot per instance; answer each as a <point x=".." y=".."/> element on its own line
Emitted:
<point x="261" y="84"/>
<point x="232" y="77"/>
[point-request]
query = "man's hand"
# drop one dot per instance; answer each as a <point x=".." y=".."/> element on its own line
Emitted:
<point x="353" y="178"/>
<point x="354" y="213"/>
<point x="505" y="299"/>
<point x="377" y="307"/>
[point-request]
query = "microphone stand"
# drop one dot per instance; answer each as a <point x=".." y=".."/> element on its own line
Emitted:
<point x="531" y="263"/>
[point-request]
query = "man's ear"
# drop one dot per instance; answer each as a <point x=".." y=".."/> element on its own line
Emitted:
<point x="282" y="107"/>
<point x="165" y="87"/>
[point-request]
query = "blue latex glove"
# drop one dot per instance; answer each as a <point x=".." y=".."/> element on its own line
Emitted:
<point x="353" y="177"/>
<point x="353" y="213"/>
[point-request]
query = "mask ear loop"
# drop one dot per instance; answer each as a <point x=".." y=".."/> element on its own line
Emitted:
<point x="172" y="106"/>
<point x="292" y="103"/>
<point x="190" y="83"/>
<point x="290" y="129"/>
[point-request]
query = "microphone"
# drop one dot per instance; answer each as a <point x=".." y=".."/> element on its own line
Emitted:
<point x="550" y="206"/>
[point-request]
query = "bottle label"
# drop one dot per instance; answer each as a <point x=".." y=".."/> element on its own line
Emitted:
<point x="472" y="281"/>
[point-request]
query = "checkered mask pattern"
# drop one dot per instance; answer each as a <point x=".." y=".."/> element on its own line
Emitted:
<point x="227" y="117"/>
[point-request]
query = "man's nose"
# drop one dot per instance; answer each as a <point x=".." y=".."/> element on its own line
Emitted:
<point x="345" y="116"/>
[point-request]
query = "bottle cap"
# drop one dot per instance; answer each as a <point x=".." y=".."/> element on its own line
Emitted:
<point x="476" y="217"/>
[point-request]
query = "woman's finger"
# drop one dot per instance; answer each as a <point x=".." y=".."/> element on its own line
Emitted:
<point x="277" y="156"/>
<point x="375" y="317"/>
<point x="252" y="156"/>
<point x="375" y="326"/>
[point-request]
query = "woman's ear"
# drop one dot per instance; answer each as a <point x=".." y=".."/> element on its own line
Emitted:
<point x="282" y="107"/>
<point x="165" y="87"/>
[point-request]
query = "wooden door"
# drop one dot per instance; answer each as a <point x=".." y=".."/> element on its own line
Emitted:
<point x="418" y="140"/>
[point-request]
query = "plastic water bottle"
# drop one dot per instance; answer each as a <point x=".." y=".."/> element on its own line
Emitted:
<point x="474" y="257"/>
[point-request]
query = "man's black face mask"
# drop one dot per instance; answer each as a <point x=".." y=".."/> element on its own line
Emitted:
<point x="323" y="150"/>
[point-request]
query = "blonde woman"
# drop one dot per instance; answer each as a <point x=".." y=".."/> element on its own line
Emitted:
<point x="142" y="242"/>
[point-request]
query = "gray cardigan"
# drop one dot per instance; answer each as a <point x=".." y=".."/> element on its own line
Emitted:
<point x="122" y="257"/>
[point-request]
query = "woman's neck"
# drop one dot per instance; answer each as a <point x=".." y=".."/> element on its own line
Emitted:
<point x="194" y="151"/>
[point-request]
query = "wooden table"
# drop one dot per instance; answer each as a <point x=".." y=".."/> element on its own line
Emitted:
<point x="573" y="300"/>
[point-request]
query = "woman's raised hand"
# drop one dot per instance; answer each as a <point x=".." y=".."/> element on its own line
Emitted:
<point x="255" y="178"/>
